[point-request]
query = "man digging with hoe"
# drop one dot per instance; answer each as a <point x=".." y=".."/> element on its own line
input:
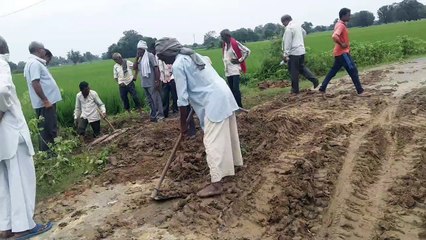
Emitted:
<point x="198" y="84"/>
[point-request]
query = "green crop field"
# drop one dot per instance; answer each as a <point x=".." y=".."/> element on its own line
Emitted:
<point x="99" y="74"/>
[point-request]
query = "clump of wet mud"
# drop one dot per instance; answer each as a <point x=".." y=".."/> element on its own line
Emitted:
<point x="273" y="84"/>
<point x="308" y="185"/>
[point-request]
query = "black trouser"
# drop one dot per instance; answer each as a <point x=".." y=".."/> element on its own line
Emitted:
<point x="345" y="60"/>
<point x="131" y="88"/>
<point x="49" y="126"/>
<point x="82" y="125"/>
<point x="169" y="89"/>
<point x="296" y="66"/>
<point x="234" y="85"/>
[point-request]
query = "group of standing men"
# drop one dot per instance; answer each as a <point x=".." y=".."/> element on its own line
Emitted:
<point x="197" y="85"/>
<point x="156" y="79"/>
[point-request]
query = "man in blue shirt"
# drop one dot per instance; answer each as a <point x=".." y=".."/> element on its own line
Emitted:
<point x="44" y="93"/>
<point x="199" y="85"/>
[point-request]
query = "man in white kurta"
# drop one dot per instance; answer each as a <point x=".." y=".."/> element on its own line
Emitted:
<point x="17" y="173"/>
<point x="199" y="85"/>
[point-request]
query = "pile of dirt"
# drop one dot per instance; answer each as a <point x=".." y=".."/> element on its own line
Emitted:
<point x="273" y="84"/>
<point x="306" y="188"/>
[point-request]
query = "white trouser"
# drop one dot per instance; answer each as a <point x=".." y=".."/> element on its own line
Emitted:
<point x="222" y="147"/>
<point x="17" y="191"/>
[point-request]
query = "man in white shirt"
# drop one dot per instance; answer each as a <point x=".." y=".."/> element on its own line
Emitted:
<point x="294" y="53"/>
<point x="44" y="93"/>
<point x="234" y="57"/>
<point x="124" y="76"/>
<point x="17" y="173"/>
<point x="88" y="110"/>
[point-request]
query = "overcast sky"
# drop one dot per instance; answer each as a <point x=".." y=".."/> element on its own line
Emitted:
<point x="93" y="25"/>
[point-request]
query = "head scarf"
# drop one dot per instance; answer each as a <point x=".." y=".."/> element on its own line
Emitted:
<point x="170" y="47"/>
<point x="144" y="62"/>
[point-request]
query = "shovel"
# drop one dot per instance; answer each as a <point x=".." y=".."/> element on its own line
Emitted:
<point x="155" y="194"/>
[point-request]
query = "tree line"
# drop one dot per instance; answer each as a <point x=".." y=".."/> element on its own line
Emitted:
<point x="73" y="57"/>
<point x="407" y="10"/>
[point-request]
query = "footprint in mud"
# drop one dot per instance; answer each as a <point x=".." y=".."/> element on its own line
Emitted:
<point x="77" y="214"/>
<point x="62" y="225"/>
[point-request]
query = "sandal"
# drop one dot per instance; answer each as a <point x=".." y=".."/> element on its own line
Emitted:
<point x="37" y="230"/>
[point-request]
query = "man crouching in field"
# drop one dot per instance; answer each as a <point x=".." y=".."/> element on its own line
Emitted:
<point x="88" y="110"/>
<point x="198" y="84"/>
<point x="17" y="173"/>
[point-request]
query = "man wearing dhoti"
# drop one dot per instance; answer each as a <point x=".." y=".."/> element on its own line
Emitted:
<point x="199" y="85"/>
<point x="17" y="173"/>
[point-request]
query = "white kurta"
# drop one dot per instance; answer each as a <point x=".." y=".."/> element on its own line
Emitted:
<point x="89" y="107"/>
<point x="222" y="147"/>
<point x="17" y="173"/>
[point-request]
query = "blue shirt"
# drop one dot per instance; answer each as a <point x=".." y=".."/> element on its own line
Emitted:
<point x="35" y="69"/>
<point x="205" y="90"/>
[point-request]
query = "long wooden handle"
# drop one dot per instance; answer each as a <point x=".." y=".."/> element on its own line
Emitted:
<point x="166" y="167"/>
<point x="172" y="156"/>
<point x="106" y="120"/>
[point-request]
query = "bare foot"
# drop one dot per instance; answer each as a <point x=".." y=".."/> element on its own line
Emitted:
<point x="6" y="234"/>
<point x="239" y="168"/>
<point x="364" y="94"/>
<point x="211" y="190"/>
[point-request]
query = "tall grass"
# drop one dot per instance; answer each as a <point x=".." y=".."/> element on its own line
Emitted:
<point x="100" y="76"/>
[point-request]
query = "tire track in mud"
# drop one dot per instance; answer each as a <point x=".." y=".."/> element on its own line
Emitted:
<point x="405" y="217"/>
<point x="289" y="176"/>
<point x="368" y="171"/>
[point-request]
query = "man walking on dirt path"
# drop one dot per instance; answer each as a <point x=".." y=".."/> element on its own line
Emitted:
<point x="294" y="53"/>
<point x="17" y="173"/>
<point x="342" y="56"/>
<point x="124" y="77"/>
<point x="44" y="93"/>
<point x="150" y="78"/>
<point x="89" y="109"/>
<point x="201" y="86"/>
<point x="234" y="57"/>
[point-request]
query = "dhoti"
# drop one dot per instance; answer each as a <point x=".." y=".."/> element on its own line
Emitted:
<point x="222" y="147"/>
<point x="17" y="191"/>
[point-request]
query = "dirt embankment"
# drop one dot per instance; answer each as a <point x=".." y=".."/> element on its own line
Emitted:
<point x="334" y="167"/>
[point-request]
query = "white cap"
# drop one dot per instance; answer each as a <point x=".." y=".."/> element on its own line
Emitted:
<point x="142" y="44"/>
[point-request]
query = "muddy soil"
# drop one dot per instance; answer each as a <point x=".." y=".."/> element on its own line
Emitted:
<point x="337" y="166"/>
<point x="273" y="84"/>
